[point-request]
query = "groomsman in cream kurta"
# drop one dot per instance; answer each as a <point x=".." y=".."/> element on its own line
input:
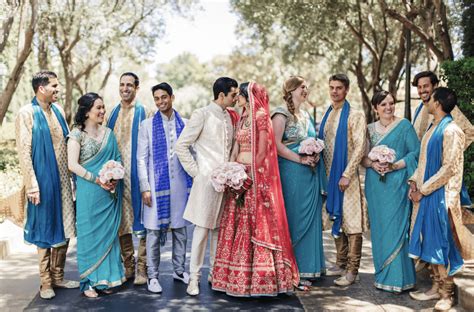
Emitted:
<point x="343" y="131"/>
<point x="426" y="82"/>
<point x="41" y="131"/>
<point x="124" y="120"/>
<point x="435" y="187"/>
<point x="210" y="132"/>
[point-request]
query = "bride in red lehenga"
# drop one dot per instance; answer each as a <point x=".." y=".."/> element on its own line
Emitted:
<point x="254" y="255"/>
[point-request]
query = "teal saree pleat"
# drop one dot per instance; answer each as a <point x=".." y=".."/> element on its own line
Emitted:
<point x="98" y="215"/>
<point x="302" y="192"/>
<point x="389" y="212"/>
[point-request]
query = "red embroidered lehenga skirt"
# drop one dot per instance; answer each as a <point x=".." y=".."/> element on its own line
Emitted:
<point x="244" y="267"/>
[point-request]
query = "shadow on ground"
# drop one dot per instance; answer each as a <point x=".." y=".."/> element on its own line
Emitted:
<point x="174" y="298"/>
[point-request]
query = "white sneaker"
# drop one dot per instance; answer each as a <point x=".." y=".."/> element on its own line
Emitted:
<point x="193" y="287"/>
<point x="183" y="277"/>
<point x="154" y="286"/>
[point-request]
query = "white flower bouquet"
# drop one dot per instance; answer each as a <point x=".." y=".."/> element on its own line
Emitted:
<point x="111" y="171"/>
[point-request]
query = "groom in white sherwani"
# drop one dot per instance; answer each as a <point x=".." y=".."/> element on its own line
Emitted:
<point x="210" y="132"/>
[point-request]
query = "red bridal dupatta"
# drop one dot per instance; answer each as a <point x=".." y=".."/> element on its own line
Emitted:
<point x="272" y="225"/>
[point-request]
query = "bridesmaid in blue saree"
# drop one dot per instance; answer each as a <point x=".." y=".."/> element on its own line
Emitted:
<point x="98" y="211"/>
<point x="302" y="180"/>
<point x="388" y="204"/>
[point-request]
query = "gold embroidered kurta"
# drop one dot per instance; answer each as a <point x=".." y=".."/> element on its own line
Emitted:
<point x="424" y="120"/>
<point x="23" y="131"/>
<point x="354" y="218"/>
<point x="123" y="133"/>
<point x="449" y="176"/>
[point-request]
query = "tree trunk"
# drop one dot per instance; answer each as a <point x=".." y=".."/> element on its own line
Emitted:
<point x="69" y="85"/>
<point x="43" y="55"/>
<point x="17" y="71"/>
<point x="107" y="76"/>
<point x="369" y="114"/>
<point x="395" y="73"/>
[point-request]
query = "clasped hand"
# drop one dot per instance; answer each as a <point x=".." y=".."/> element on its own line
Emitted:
<point x="247" y="184"/>
<point x="310" y="160"/>
<point x="414" y="193"/>
<point x="381" y="168"/>
<point x="108" y="186"/>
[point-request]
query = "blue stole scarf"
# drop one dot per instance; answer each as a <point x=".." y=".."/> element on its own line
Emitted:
<point x="465" y="198"/>
<point x="417" y="112"/>
<point x="432" y="239"/>
<point x="335" y="197"/>
<point x="44" y="226"/>
<point x="139" y="116"/>
<point x="161" y="172"/>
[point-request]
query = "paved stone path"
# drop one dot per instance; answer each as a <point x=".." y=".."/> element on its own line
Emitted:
<point x="19" y="283"/>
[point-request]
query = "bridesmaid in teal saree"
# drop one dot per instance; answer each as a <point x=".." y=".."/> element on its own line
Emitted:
<point x="98" y="211"/>
<point x="302" y="180"/>
<point x="388" y="204"/>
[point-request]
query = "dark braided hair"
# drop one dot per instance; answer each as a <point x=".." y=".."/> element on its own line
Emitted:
<point x="85" y="104"/>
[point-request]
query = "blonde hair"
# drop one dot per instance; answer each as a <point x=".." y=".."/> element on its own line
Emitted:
<point x="290" y="85"/>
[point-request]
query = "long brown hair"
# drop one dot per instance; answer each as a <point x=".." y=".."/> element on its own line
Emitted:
<point x="290" y="85"/>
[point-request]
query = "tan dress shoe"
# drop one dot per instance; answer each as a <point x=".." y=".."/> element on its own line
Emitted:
<point x="193" y="287"/>
<point x="140" y="279"/>
<point x="47" y="293"/>
<point x="335" y="271"/>
<point x="66" y="284"/>
<point x="346" y="280"/>
<point x="422" y="296"/>
<point x="444" y="304"/>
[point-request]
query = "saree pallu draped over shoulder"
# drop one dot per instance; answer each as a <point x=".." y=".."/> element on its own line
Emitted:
<point x="98" y="221"/>
<point x="303" y="189"/>
<point x="390" y="209"/>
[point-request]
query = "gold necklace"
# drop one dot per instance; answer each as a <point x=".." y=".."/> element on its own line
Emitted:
<point x="246" y="121"/>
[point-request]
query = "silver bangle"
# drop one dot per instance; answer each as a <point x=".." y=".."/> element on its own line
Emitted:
<point x="91" y="176"/>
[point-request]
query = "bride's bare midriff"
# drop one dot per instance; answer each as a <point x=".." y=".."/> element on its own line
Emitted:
<point x="244" y="158"/>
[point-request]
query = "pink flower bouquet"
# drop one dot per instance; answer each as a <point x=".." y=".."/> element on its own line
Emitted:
<point x="231" y="175"/>
<point x="311" y="146"/>
<point x="384" y="155"/>
<point x="111" y="170"/>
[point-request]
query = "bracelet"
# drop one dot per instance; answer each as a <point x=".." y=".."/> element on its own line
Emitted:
<point x="91" y="177"/>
